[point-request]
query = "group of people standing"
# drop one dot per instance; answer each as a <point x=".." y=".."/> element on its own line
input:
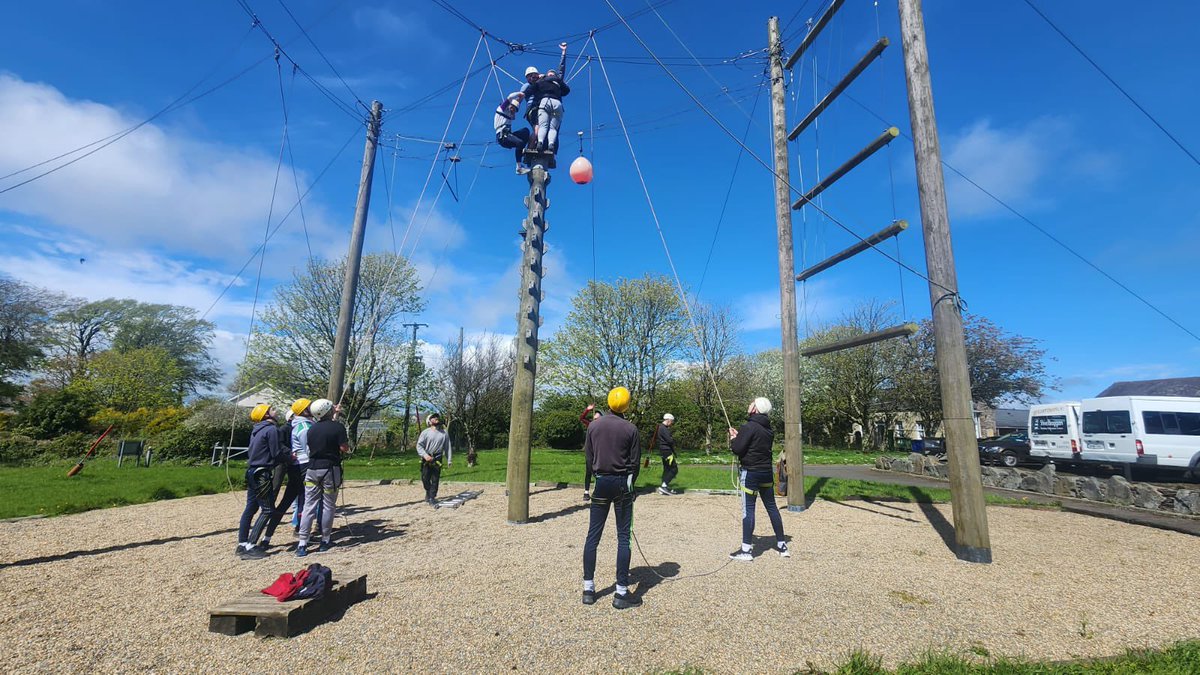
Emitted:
<point x="542" y="95"/>
<point x="612" y="449"/>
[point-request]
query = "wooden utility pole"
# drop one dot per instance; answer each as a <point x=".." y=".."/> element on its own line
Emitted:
<point x="412" y="358"/>
<point x="966" y="487"/>
<point x="528" y="320"/>
<point x="793" y="450"/>
<point x="341" y="343"/>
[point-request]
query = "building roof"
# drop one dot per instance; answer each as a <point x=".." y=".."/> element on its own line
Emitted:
<point x="262" y="393"/>
<point x="1012" y="418"/>
<point x="1174" y="386"/>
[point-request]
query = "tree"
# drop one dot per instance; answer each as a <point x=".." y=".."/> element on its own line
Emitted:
<point x="631" y="333"/>
<point x="24" y="317"/>
<point x="714" y="350"/>
<point x="147" y="377"/>
<point x="293" y="345"/>
<point x="54" y="413"/>
<point x="1002" y="366"/>
<point x="474" y="384"/>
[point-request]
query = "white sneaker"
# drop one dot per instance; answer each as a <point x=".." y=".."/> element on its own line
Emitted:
<point x="521" y="170"/>
<point x="741" y="555"/>
<point x="783" y="551"/>
<point x="664" y="491"/>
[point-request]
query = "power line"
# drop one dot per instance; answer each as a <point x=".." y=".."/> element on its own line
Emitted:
<point x="1113" y="82"/>
<point x="322" y="54"/>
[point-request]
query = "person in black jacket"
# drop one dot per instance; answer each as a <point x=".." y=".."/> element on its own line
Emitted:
<point x="263" y="455"/>
<point x="613" y="451"/>
<point x="546" y="96"/>
<point x="666" y="450"/>
<point x="752" y="445"/>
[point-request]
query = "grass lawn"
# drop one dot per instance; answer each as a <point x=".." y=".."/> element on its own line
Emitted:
<point x="46" y="490"/>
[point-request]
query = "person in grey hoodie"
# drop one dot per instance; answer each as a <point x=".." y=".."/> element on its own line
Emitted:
<point x="432" y="446"/>
<point x="264" y="454"/>
<point x="300" y="421"/>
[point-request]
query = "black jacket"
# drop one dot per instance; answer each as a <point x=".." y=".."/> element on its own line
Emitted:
<point x="265" y="448"/>
<point x="753" y="443"/>
<point x="612" y="446"/>
<point x="549" y="87"/>
<point x="666" y="444"/>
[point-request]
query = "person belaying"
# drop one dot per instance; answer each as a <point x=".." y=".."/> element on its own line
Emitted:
<point x="432" y="445"/>
<point x="589" y="413"/>
<point x="546" y="93"/>
<point x="299" y="420"/>
<point x="751" y="444"/>
<point x="263" y="455"/>
<point x="666" y="450"/>
<point x="613" y="451"/>
<point x="327" y="442"/>
<point x="516" y="140"/>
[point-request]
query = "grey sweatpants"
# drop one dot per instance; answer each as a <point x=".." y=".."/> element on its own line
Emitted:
<point x="550" y="112"/>
<point x="320" y="485"/>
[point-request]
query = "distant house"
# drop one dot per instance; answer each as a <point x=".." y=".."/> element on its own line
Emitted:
<point x="262" y="393"/>
<point x="1010" y="420"/>
<point x="1174" y="386"/>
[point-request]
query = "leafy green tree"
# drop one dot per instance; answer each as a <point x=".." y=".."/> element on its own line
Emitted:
<point x="474" y="384"/>
<point x="24" y="317"/>
<point x="147" y="377"/>
<point x="293" y="344"/>
<point x="52" y="413"/>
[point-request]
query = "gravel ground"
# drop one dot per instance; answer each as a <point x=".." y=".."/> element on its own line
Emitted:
<point x="128" y="589"/>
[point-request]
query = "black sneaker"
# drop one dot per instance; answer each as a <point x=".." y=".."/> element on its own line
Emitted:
<point x="254" y="553"/>
<point x="325" y="546"/>
<point x="589" y="597"/>
<point x="741" y="555"/>
<point x="237" y="550"/>
<point x="587" y="496"/>
<point x="626" y="601"/>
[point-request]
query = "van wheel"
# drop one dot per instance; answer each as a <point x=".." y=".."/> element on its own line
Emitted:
<point x="1008" y="458"/>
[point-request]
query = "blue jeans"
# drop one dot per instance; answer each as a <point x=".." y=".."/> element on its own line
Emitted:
<point x="755" y="484"/>
<point x="258" y="497"/>
<point x="609" y="491"/>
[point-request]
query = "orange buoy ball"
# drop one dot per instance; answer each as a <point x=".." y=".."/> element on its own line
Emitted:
<point x="581" y="170"/>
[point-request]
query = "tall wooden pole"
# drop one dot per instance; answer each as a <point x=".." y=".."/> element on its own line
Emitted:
<point x="341" y="343"/>
<point x="793" y="450"/>
<point x="408" y="384"/>
<point x="966" y="487"/>
<point x="528" y="320"/>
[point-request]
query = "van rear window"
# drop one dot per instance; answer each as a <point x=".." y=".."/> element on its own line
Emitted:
<point x="1172" y="423"/>
<point x="1055" y="425"/>
<point x="1106" y="422"/>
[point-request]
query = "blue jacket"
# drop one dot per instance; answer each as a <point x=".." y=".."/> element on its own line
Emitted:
<point x="265" y="448"/>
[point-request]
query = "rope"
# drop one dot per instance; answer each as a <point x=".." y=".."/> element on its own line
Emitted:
<point x="295" y="174"/>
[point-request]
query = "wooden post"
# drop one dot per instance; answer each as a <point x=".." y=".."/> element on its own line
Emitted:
<point x="520" y="428"/>
<point x="966" y="486"/>
<point x="793" y="450"/>
<point x="341" y="343"/>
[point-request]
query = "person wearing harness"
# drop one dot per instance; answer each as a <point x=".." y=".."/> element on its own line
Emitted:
<point x="613" y="451"/>
<point x="751" y="444"/>
<point x="299" y="420"/>
<point x="327" y="442"/>
<point x="517" y="140"/>
<point x="666" y="450"/>
<point x="547" y="93"/>
<point x="589" y="413"/>
<point x="263" y="455"/>
<point x="431" y="446"/>
<point x="532" y="75"/>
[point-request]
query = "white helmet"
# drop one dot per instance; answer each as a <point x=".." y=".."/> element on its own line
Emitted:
<point x="668" y="417"/>
<point x="531" y="70"/>
<point x="320" y="408"/>
<point x="761" y="405"/>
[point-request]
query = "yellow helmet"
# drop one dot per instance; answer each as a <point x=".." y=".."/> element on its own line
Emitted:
<point x="260" y="411"/>
<point x="618" y="399"/>
<point x="300" y="405"/>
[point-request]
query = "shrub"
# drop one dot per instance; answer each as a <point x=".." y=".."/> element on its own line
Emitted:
<point x="73" y="445"/>
<point x="208" y="421"/>
<point x="559" y="429"/>
<point x="53" y="413"/>
<point x="16" y="448"/>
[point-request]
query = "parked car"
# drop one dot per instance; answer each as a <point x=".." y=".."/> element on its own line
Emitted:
<point x="1007" y="450"/>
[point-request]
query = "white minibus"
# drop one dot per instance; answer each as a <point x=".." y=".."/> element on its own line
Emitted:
<point x="1054" y="431"/>
<point x="1152" y="430"/>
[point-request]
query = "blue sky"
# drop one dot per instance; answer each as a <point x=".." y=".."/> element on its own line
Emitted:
<point x="171" y="212"/>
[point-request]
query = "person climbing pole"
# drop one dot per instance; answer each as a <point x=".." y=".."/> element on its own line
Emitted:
<point x="548" y="92"/>
<point x="613" y="450"/>
<point x="263" y="454"/>
<point x="666" y="450"/>
<point x="532" y="75"/>
<point x="431" y="446"/>
<point x="516" y="140"/>
<point x="751" y="443"/>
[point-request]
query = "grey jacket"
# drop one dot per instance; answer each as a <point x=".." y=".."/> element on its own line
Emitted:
<point x="433" y="442"/>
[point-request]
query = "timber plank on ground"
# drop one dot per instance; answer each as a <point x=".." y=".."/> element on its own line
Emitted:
<point x="268" y="617"/>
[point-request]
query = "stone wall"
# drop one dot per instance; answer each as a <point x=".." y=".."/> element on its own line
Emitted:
<point x="1113" y="489"/>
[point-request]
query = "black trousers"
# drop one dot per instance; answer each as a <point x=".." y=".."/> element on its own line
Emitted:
<point x="516" y="140"/>
<point x="670" y="468"/>
<point x="610" y="491"/>
<point x="295" y="488"/>
<point x="431" y="475"/>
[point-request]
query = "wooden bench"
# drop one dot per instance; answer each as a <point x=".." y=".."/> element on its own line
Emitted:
<point x="269" y="617"/>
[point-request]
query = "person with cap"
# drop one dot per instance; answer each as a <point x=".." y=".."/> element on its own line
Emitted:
<point x="666" y="450"/>
<point x="517" y="140"/>
<point x="752" y="445"/>
<point x="432" y="446"/>
<point x="327" y="442"/>
<point x="589" y="413"/>
<point x="546" y="96"/>
<point x="263" y="455"/>
<point x="613" y="450"/>
<point x="299" y="420"/>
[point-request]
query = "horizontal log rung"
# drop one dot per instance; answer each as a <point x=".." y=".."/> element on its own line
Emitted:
<point x="813" y="33"/>
<point x="884" y="138"/>
<point x="840" y="87"/>
<point x="883" y="235"/>
<point x="903" y="330"/>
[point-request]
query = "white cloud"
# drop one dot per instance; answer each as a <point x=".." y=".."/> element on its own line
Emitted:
<point x="816" y="304"/>
<point x="152" y="188"/>
<point x="1009" y="163"/>
<point x="405" y="28"/>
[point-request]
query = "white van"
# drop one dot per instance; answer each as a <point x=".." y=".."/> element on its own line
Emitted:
<point x="1054" y="431"/>
<point x="1154" y="430"/>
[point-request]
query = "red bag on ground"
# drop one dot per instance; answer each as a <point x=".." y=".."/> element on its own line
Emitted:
<point x="286" y="585"/>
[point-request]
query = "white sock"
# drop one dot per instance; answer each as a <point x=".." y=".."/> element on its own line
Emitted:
<point x="664" y="485"/>
<point x="589" y="585"/>
<point x="746" y="548"/>
<point x="245" y="545"/>
<point x="781" y="544"/>
<point x="622" y="590"/>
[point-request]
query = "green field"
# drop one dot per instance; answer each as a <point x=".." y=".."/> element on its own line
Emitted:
<point x="46" y="489"/>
